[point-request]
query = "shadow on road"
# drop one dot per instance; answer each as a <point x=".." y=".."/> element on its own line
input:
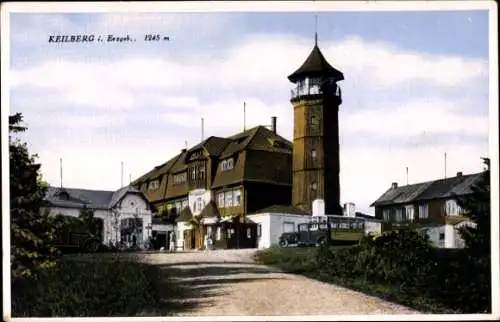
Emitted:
<point x="186" y="286"/>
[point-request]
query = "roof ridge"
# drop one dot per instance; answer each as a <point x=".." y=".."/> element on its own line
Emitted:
<point x="85" y="189"/>
<point x="252" y="136"/>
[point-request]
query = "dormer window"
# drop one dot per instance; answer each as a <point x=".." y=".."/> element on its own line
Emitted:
<point x="227" y="165"/>
<point x="180" y="178"/>
<point x="63" y="195"/>
<point x="153" y="185"/>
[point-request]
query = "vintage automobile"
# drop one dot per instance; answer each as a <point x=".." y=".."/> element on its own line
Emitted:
<point x="71" y="236"/>
<point x="328" y="229"/>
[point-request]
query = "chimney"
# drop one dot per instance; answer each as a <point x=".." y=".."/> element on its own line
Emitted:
<point x="273" y="124"/>
<point x="459" y="174"/>
<point x="394" y="185"/>
<point x="351" y="209"/>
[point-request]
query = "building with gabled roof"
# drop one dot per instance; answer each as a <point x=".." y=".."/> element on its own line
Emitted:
<point x="117" y="211"/>
<point x="431" y="205"/>
<point x="222" y="178"/>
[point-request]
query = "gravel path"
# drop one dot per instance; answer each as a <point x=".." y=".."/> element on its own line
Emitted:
<point x="228" y="282"/>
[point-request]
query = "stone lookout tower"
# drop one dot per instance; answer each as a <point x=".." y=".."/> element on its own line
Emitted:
<point x="316" y="98"/>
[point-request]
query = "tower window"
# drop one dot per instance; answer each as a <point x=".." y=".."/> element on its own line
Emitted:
<point x="314" y="186"/>
<point x="314" y="154"/>
<point x="314" y="120"/>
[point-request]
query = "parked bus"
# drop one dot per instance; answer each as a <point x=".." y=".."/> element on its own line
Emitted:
<point x="329" y="229"/>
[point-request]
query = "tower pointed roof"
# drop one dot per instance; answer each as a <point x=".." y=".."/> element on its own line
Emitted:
<point x="314" y="66"/>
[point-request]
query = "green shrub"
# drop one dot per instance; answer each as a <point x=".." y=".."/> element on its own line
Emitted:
<point x="395" y="258"/>
<point x="460" y="281"/>
<point x="86" y="286"/>
<point x="337" y="262"/>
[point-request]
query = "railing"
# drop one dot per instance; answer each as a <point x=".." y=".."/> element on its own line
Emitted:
<point x="311" y="90"/>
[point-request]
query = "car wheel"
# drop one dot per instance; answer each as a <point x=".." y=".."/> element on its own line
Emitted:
<point x="92" y="246"/>
<point x="321" y="242"/>
<point x="283" y="243"/>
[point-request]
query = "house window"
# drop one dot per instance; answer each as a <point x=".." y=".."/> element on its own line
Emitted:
<point x="229" y="199"/>
<point x="153" y="185"/>
<point x="314" y="186"/>
<point x="403" y="214"/>
<point x="423" y="211"/>
<point x="410" y="213"/>
<point x="193" y="174"/>
<point x="386" y="215"/>
<point x="180" y="178"/>
<point x="313" y="154"/>
<point x="399" y="214"/>
<point x="249" y="233"/>
<point x="441" y="236"/>
<point x="259" y="230"/>
<point x="452" y="208"/>
<point x="221" y="199"/>
<point x="219" y="233"/>
<point x="199" y="204"/>
<point x="314" y="120"/>
<point x="230" y="164"/>
<point x="237" y="197"/>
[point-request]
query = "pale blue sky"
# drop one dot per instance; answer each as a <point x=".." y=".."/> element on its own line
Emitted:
<point x="416" y="86"/>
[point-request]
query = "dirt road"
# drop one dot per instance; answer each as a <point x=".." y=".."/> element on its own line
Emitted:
<point x="229" y="282"/>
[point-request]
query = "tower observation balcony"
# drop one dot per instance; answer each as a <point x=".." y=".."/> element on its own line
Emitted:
<point x="310" y="87"/>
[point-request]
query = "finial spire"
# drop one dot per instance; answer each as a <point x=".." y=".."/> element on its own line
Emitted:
<point x="316" y="30"/>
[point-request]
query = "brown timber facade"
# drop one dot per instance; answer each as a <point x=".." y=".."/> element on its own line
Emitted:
<point x="214" y="184"/>
<point x="316" y="165"/>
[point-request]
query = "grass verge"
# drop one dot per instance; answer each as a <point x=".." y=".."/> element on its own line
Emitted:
<point x="88" y="285"/>
<point x="302" y="261"/>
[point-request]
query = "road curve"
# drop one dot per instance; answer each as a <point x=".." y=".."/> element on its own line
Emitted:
<point x="229" y="282"/>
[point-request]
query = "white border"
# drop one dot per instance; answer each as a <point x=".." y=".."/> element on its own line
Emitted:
<point x="260" y="6"/>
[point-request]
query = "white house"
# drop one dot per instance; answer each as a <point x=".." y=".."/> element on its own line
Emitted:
<point x="119" y="210"/>
<point x="276" y="220"/>
<point x="432" y="205"/>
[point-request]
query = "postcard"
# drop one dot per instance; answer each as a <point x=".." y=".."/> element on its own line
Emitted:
<point x="250" y="160"/>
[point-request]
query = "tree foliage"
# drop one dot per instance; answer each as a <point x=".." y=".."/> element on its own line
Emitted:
<point x="477" y="208"/>
<point x="32" y="231"/>
<point x="90" y="223"/>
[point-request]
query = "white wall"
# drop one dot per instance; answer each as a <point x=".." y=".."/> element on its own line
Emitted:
<point x="264" y="240"/>
<point x="130" y="206"/>
<point x="105" y="215"/>
<point x="133" y="203"/>
<point x="193" y="196"/>
<point x="433" y="233"/>
<point x="179" y="234"/>
<point x="273" y="226"/>
<point x="157" y="227"/>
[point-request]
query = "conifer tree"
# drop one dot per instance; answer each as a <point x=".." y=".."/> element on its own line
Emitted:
<point x="477" y="208"/>
<point x="32" y="231"/>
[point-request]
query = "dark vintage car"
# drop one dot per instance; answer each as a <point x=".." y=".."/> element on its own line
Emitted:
<point x="325" y="230"/>
<point x="73" y="237"/>
<point x="307" y="235"/>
